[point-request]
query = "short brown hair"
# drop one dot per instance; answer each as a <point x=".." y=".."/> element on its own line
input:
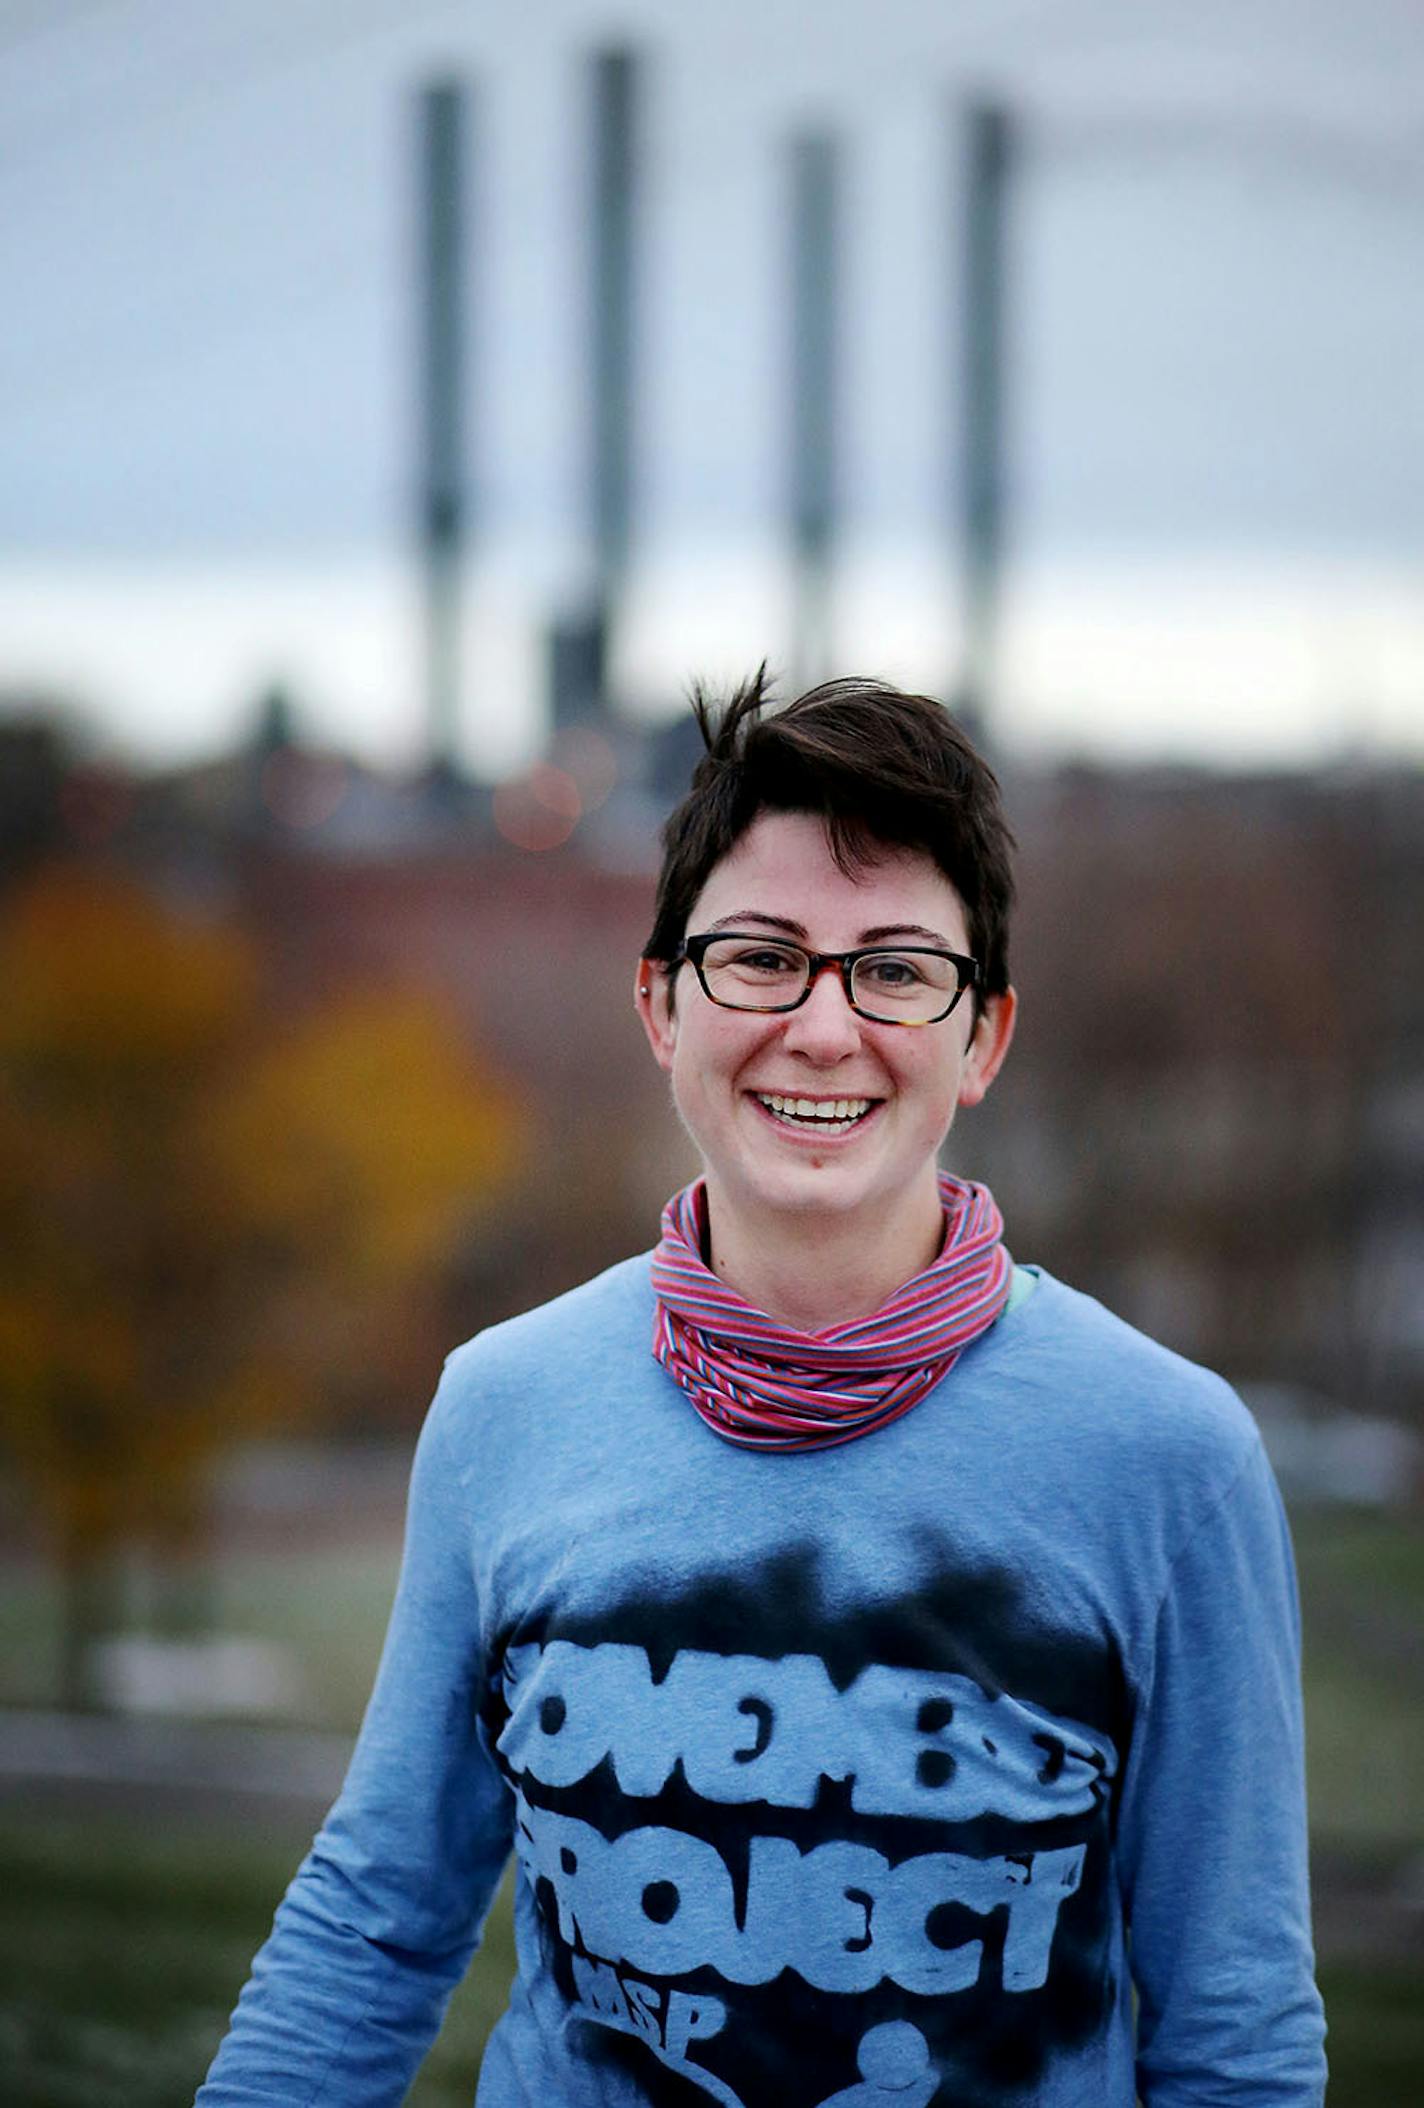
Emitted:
<point x="881" y="769"/>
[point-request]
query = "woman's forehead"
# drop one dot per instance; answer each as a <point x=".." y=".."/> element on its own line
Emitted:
<point x="784" y="867"/>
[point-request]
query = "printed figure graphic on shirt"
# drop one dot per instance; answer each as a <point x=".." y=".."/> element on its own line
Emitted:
<point x="894" y="2061"/>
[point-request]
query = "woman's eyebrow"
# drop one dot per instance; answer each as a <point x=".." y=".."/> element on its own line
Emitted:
<point x="775" y="922"/>
<point x="882" y="933"/>
<point x="885" y="930"/>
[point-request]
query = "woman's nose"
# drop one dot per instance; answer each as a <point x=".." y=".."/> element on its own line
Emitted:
<point x="824" y="1026"/>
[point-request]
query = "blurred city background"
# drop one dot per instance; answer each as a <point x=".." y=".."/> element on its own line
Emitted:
<point x="398" y="408"/>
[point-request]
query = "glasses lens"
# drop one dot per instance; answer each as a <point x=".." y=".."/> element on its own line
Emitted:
<point x="905" y="988"/>
<point x="754" y="973"/>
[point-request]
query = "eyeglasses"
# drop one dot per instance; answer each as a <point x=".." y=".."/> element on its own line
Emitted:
<point x="910" y="985"/>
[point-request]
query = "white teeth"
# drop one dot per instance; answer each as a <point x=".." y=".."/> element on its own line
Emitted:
<point x="830" y="1111"/>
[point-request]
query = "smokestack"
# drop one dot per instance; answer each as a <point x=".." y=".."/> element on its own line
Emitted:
<point x="988" y="150"/>
<point x="814" y="387"/>
<point x="441" y="297"/>
<point x="578" y="642"/>
<point x="615" y="88"/>
<point x="611" y="322"/>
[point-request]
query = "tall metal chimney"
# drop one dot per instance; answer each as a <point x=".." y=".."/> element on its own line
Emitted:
<point x="442" y="514"/>
<point x="615" y="87"/>
<point x="814" y="398"/>
<point x="612" y="296"/>
<point x="988" y="149"/>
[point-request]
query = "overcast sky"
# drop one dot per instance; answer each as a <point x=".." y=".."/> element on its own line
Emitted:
<point x="1217" y="422"/>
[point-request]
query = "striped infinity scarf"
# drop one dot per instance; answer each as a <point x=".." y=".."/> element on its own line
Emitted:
<point x="763" y="1385"/>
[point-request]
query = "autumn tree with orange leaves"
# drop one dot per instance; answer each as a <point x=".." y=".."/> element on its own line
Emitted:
<point x="205" y="1211"/>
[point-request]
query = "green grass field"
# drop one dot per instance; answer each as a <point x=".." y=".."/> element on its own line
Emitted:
<point x="1381" y="1556"/>
<point x="123" y="1945"/>
<point x="124" y="1940"/>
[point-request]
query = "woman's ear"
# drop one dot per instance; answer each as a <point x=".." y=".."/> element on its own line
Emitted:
<point x="988" y="1044"/>
<point x="652" y="998"/>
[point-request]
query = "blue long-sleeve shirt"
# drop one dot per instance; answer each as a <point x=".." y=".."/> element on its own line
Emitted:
<point x="882" y="1773"/>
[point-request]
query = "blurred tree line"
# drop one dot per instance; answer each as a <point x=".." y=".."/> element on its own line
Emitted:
<point x="211" y="1206"/>
<point x="1214" y="1116"/>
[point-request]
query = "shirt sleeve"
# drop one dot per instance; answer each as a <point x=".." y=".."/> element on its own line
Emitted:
<point x="379" y="1924"/>
<point x="1212" y="1835"/>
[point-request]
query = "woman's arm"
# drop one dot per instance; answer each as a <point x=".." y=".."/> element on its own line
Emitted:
<point x="1212" y="1838"/>
<point x="380" y="1921"/>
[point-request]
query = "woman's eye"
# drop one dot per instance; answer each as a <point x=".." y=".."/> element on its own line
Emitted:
<point x="765" y="961"/>
<point x="894" y="972"/>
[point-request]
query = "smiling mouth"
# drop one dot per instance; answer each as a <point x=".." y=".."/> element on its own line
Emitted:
<point x="826" y="1116"/>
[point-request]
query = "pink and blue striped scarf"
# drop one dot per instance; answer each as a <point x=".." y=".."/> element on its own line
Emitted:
<point x="764" y="1385"/>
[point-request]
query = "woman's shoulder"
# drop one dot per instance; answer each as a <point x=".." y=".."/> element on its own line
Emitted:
<point x="1103" y="1372"/>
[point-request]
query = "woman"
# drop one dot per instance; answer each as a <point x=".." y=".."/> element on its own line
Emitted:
<point x="880" y="1660"/>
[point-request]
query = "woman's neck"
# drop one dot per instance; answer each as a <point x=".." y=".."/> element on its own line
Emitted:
<point x="811" y="1272"/>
